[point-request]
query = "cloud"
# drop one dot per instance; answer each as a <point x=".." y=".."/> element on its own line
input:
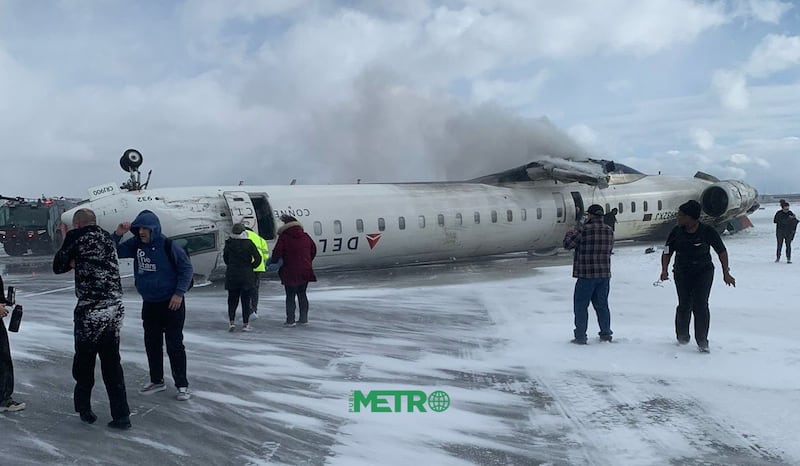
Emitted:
<point x="743" y="159"/>
<point x="731" y="87"/>
<point x="773" y="54"/>
<point x="510" y="93"/>
<point x="703" y="139"/>
<point x="769" y="11"/>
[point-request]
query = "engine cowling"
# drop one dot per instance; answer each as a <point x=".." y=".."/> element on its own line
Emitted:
<point x="727" y="199"/>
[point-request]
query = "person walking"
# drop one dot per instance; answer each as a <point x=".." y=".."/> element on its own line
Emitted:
<point x="98" y="315"/>
<point x="785" y="227"/>
<point x="591" y="265"/>
<point x="297" y="251"/>
<point x="7" y="403"/>
<point x="263" y="249"/>
<point x="163" y="274"/>
<point x="241" y="259"/>
<point x="691" y="242"/>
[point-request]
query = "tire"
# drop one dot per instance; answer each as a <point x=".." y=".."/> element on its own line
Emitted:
<point x="130" y="160"/>
<point x="13" y="249"/>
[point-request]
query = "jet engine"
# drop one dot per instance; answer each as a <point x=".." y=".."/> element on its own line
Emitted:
<point x="728" y="199"/>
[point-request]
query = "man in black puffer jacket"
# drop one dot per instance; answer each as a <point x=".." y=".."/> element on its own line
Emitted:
<point x="90" y="251"/>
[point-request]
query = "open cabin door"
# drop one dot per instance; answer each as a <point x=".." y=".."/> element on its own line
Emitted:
<point x="241" y="208"/>
<point x="578" y="199"/>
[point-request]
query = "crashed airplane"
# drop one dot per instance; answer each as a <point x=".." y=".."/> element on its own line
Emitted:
<point x="528" y="208"/>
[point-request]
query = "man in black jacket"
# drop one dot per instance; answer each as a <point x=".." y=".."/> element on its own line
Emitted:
<point x="785" y="227"/>
<point x="6" y="368"/>
<point x="90" y="251"/>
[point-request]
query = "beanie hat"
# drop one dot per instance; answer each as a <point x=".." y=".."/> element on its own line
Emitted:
<point x="595" y="209"/>
<point x="238" y="228"/>
<point x="691" y="208"/>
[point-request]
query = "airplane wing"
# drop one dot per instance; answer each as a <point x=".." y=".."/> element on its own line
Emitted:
<point x="591" y="172"/>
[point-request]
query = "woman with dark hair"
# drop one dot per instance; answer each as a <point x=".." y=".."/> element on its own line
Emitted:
<point x="785" y="227"/>
<point x="241" y="256"/>
<point x="297" y="250"/>
<point x="691" y="241"/>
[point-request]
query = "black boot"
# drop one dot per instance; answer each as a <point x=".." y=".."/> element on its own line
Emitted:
<point x="88" y="416"/>
<point x="121" y="423"/>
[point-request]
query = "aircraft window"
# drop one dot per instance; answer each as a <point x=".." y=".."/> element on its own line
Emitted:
<point x="401" y="223"/>
<point x="440" y="219"/>
<point x="337" y="227"/>
<point x="608" y="208"/>
<point x="195" y="244"/>
<point x="494" y="216"/>
<point x="559" y="212"/>
<point x="459" y="220"/>
<point x="660" y="206"/>
<point x="644" y="206"/>
<point x="359" y="225"/>
<point x="619" y="208"/>
<point x="381" y="224"/>
<point x="422" y="221"/>
<point x="317" y="228"/>
<point x="633" y="206"/>
<point x="538" y="213"/>
<point x="524" y="214"/>
<point x="509" y="215"/>
<point x="477" y="217"/>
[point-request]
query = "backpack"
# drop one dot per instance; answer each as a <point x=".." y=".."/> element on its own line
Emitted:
<point x="171" y="257"/>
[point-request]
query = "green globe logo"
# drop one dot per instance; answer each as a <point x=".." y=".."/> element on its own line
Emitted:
<point x="438" y="401"/>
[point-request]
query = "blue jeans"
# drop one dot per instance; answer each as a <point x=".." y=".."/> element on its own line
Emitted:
<point x="594" y="290"/>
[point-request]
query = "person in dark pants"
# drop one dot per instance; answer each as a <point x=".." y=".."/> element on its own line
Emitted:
<point x="610" y="219"/>
<point x="785" y="227"/>
<point x="591" y="265"/>
<point x="162" y="283"/>
<point x="241" y="258"/>
<point x="98" y="316"/>
<point x="262" y="247"/>
<point x="7" y="403"/>
<point x="297" y="250"/>
<point x="691" y="243"/>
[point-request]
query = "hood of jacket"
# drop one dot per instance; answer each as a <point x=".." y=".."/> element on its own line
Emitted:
<point x="294" y="229"/>
<point x="149" y="220"/>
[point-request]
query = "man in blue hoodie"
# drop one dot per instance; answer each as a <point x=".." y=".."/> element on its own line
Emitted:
<point x="161" y="281"/>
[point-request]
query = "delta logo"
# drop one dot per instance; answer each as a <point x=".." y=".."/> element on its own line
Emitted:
<point x="373" y="239"/>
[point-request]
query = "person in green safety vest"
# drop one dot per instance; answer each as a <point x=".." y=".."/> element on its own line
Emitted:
<point x="263" y="249"/>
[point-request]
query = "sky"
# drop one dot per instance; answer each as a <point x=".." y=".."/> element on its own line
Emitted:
<point x="263" y="92"/>
<point x="493" y="335"/>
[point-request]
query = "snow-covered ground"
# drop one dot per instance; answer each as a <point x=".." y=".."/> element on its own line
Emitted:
<point x="493" y="335"/>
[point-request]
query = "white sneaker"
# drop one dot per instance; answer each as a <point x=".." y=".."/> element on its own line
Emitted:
<point x="247" y="328"/>
<point x="151" y="388"/>
<point x="183" y="394"/>
<point x="254" y="316"/>
<point x="232" y="327"/>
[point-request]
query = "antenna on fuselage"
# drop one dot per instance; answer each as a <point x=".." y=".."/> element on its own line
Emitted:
<point x="130" y="162"/>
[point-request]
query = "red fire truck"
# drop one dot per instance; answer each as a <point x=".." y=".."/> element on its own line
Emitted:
<point x="32" y="224"/>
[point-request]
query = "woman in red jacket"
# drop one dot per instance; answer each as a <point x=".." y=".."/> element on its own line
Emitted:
<point x="297" y="250"/>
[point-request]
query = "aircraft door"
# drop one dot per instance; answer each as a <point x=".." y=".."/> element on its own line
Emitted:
<point x="576" y="196"/>
<point x="561" y="208"/>
<point x="242" y="209"/>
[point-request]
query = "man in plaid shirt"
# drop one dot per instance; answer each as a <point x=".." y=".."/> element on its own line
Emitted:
<point x="592" y="242"/>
